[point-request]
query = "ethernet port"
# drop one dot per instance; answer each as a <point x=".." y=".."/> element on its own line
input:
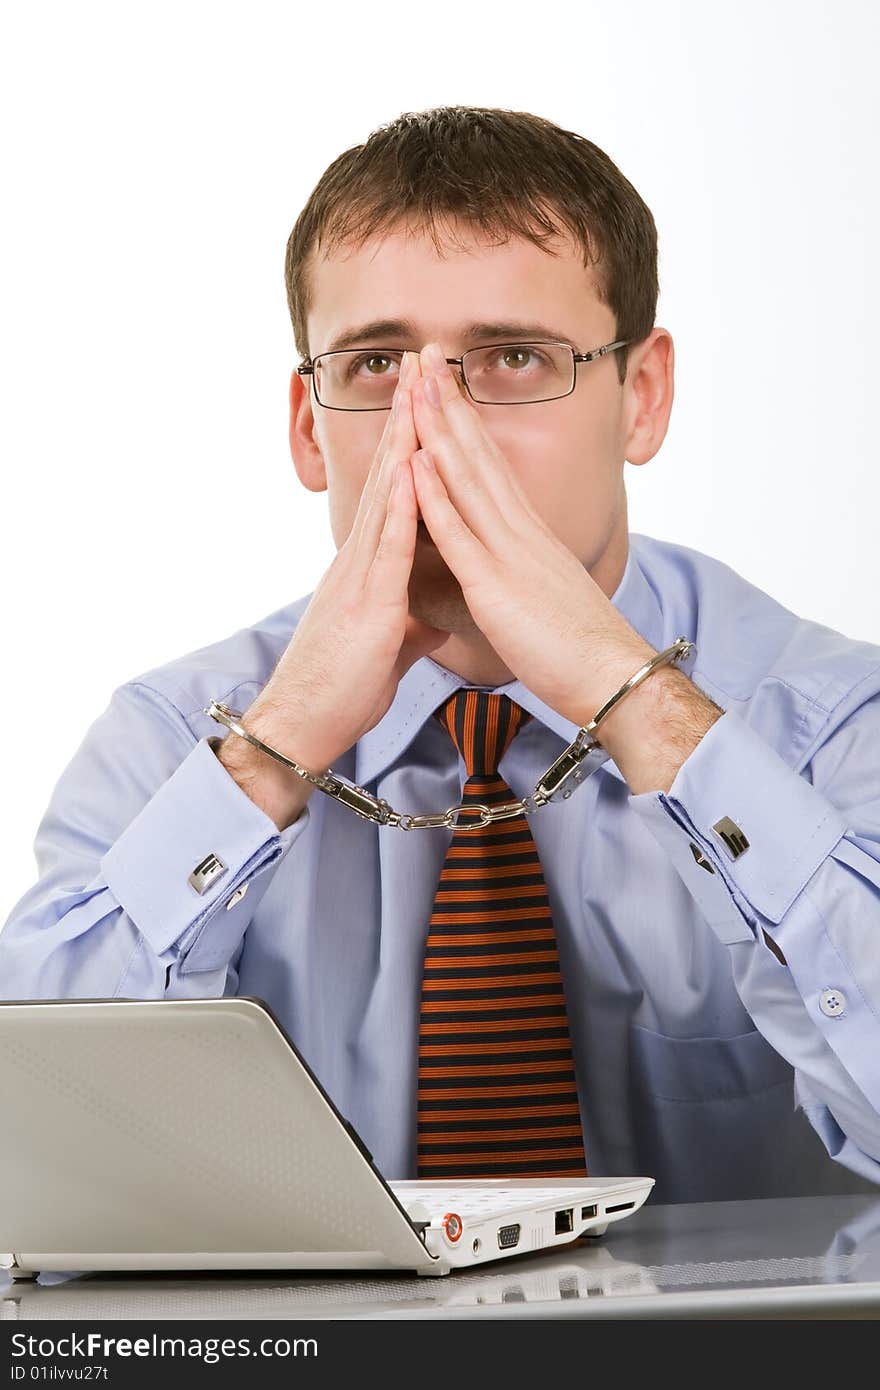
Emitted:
<point x="565" y="1221"/>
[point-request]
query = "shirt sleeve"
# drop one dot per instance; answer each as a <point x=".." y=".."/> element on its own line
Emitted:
<point x="785" y="866"/>
<point x="151" y="863"/>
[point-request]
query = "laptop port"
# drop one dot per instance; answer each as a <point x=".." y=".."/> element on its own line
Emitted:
<point x="564" y="1221"/>
<point x="621" y="1206"/>
<point x="587" y="1212"/>
<point x="508" y="1237"/>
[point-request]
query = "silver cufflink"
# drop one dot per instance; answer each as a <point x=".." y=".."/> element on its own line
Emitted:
<point x="701" y="859"/>
<point x="733" y="839"/>
<point x="204" y="874"/>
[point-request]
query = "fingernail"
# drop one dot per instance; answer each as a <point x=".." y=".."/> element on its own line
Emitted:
<point x="435" y="357"/>
<point x="403" y="374"/>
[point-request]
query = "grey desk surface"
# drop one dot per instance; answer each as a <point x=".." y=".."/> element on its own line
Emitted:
<point x="798" y="1257"/>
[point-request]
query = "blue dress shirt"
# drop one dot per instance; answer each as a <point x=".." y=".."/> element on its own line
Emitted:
<point x="707" y="1059"/>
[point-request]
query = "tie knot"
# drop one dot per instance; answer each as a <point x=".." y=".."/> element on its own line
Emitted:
<point x="481" y="725"/>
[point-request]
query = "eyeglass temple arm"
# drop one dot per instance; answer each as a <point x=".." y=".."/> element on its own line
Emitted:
<point x="602" y="351"/>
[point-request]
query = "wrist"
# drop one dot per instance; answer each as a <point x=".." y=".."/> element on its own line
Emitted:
<point x="278" y="791"/>
<point x="607" y="672"/>
<point x="655" y="729"/>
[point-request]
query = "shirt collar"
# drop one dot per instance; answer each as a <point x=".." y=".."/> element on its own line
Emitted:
<point x="426" y="685"/>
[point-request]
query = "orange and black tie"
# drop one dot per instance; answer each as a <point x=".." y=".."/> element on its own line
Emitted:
<point x="496" y="1082"/>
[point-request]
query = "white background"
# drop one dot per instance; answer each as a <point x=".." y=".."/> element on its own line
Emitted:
<point x="155" y="159"/>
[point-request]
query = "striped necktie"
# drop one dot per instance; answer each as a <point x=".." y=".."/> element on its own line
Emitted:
<point x="496" y="1081"/>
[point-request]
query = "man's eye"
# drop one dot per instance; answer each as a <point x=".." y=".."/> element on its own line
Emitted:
<point x="516" y="358"/>
<point x="373" y="364"/>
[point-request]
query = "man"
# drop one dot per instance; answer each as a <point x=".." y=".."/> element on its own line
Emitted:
<point x="673" y="970"/>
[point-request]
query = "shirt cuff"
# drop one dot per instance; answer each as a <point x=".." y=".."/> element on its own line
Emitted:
<point x="745" y="831"/>
<point x="201" y="824"/>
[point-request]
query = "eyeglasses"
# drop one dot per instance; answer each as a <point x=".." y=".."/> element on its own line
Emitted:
<point x="505" y="374"/>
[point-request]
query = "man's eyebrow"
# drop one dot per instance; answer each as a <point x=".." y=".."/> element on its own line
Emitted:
<point x="383" y="332"/>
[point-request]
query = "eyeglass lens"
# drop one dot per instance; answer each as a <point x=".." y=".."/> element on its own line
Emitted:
<point x="514" y="373"/>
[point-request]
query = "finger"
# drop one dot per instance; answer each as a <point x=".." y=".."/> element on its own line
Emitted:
<point x="399" y="448"/>
<point x="463" y="551"/>
<point x="458" y="419"/>
<point x="399" y="441"/>
<point x="420" y="640"/>
<point x="368" y="491"/>
<point x="483" y="504"/>
<point x="384" y="467"/>
<point x="400" y="444"/>
<point x="409" y="371"/>
<point x="389" y="571"/>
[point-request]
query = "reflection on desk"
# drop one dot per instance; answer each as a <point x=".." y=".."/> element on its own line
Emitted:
<point x="788" y="1257"/>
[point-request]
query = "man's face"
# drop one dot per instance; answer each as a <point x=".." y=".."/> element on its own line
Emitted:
<point x="567" y="454"/>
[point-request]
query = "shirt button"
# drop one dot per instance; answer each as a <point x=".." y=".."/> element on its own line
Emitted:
<point x="237" y="896"/>
<point x="832" y="1002"/>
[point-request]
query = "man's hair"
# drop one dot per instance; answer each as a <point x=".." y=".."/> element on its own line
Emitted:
<point x="503" y="173"/>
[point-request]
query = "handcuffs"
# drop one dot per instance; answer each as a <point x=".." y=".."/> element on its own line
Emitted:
<point x="582" y="758"/>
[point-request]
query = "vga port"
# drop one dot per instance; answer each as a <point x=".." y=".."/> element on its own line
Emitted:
<point x="508" y="1237"/>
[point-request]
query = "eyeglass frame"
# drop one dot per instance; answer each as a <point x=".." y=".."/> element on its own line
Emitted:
<point x="307" y="368"/>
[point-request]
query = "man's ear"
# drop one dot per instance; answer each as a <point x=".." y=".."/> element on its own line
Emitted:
<point x="304" y="448"/>
<point x="649" y="391"/>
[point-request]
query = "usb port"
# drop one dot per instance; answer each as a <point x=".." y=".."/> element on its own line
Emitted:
<point x="564" y="1221"/>
<point x="508" y="1237"/>
<point x="587" y="1212"/>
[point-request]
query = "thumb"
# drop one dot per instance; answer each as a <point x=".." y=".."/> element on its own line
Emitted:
<point x="419" y="639"/>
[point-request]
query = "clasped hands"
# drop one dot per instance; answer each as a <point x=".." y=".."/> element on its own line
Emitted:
<point x="532" y="598"/>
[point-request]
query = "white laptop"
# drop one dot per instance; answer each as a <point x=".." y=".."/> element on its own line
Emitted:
<point x="191" y="1135"/>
